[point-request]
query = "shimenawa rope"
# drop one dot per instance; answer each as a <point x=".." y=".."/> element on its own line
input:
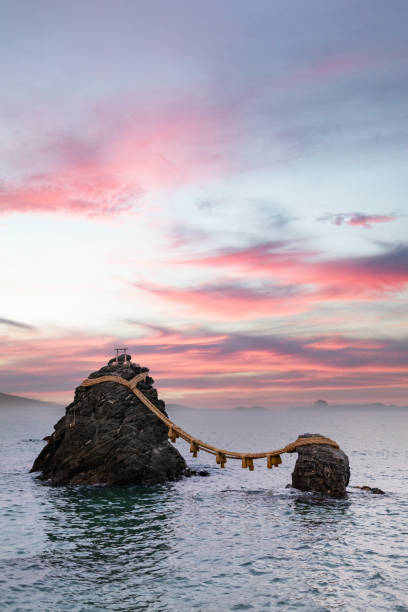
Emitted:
<point x="221" y="455"/>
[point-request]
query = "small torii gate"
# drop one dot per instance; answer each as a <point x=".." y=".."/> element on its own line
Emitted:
<point x="121" y="351"/>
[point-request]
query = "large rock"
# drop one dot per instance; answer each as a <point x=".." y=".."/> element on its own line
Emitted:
<point x="109" y="437"/>
<point x="321" y="468"/>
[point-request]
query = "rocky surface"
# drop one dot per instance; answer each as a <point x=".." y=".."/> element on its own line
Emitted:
<point x="322" y="469"/>
<point x="109" y="437"/>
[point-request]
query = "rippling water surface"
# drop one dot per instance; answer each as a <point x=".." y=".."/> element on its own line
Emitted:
<point x="235" y="540"/>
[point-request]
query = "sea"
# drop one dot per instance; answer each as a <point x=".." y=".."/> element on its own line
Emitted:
<point x="234" y="540"/>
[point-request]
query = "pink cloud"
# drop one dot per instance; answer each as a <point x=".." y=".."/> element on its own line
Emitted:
<point x="203" y="367"/>
<point x="358" y="278"/>
<point x="132" y="153"/>
<point x="230" y="301"/>
<point x="67" y="193"/>
<point x="332" y="67"/>
<point x="323" y="70"/>
<point x="357" y="219"/>
<point x="369" y="220"/>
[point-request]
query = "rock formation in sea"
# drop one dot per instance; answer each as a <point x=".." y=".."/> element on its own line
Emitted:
<point x="321" y="468"/>
<point x="109" y="437"/>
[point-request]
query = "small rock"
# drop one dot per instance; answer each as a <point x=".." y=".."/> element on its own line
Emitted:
<point x="374" y="490"/>
<point x="190" y="472"/>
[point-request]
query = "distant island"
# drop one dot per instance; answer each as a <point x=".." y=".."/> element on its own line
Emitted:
<point x="350" y="406"/>
<point x="249" y="408"/>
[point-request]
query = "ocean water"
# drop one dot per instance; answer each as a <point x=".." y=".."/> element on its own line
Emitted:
<point x="236" y="540"/>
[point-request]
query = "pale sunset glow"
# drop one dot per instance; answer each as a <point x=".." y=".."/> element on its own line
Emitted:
<point x="223" y="191"/>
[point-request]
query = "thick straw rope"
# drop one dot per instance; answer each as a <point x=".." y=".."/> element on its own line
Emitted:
<point x="273" y="457"/>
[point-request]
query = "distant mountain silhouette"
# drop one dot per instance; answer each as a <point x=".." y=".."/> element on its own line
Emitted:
<point x="178" y="407"/>
<point x="7" y="400"/>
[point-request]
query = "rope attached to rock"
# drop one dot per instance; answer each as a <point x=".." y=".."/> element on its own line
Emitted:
<point x="221" y="455"/>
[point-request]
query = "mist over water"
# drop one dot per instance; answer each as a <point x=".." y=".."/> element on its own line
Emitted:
<point x="235" y="540"/>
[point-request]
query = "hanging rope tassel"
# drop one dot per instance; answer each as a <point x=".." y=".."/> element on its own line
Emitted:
<point x="244" y="462"/>
<point x="220" y="458"/>
<point x="250" y="463"/>
<point x="173" y="435"/>
<point x="276" y="460"/>
<point x="269" y="461"/>
<point x="194" y="448"/>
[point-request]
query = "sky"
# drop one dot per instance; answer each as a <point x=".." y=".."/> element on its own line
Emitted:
<point x="221" y="187"/>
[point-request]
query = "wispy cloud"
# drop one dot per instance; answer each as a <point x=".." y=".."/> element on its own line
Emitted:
<point x="357" y="219"/>
<point x="230" y="301"/>
<point x="351" y="278"/>
<point x="11" y="323"/>
<point x="68" y="193"/>
<point x="132" y="152"/>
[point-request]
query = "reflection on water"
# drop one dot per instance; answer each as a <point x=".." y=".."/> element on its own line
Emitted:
<point x="235" y="540"/>
<point x="109" y="525"/>
<point x="330" y="510"/>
